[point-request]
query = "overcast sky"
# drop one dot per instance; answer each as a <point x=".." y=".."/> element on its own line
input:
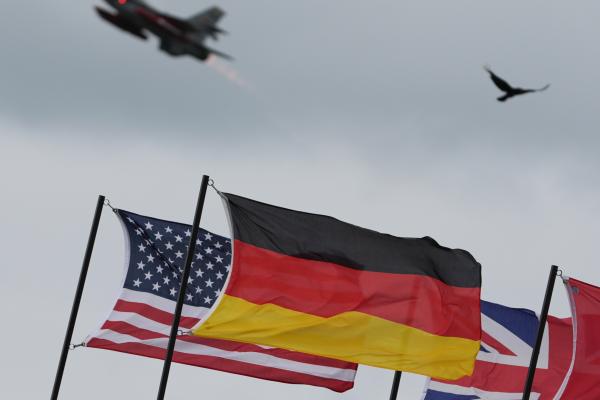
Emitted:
<point x="375" y="112"/>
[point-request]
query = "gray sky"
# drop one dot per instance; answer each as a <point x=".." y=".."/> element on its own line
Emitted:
<point x="377" y="113"/>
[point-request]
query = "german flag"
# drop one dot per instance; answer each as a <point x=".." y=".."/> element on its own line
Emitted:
<point x="314" y="284"/>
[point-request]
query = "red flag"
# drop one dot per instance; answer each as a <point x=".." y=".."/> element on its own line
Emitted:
<point x="583" y="378"/>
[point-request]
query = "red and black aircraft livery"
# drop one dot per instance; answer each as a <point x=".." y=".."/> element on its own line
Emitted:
<point x="177" y="36"/>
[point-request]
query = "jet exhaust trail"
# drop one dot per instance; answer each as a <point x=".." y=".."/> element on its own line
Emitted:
<point x="228" y="72"/>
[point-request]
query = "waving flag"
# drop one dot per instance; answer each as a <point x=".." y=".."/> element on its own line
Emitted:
<point x="508" y="337"/>
<point x="584" y="372"/>
<point x="140" y="321"/>
<point x="314" y="284"/>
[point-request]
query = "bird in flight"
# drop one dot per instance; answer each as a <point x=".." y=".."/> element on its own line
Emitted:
<point x="508" y="90"/>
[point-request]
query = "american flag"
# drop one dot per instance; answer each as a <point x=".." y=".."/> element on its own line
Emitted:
<point x="140" y="321"/>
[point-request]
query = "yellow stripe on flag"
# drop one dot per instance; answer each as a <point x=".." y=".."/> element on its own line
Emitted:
<point x="350" y="336"/>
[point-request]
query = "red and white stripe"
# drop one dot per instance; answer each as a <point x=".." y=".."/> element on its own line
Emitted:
<point x="140" y="324"/>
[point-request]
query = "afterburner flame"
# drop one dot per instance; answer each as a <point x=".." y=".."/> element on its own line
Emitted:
<point x="227" y="71"/>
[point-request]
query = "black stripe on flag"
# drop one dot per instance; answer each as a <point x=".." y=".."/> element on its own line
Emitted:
<point x="322" y="238"/>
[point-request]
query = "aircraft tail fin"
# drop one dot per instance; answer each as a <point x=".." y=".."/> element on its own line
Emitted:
<point x="206" y="18"/>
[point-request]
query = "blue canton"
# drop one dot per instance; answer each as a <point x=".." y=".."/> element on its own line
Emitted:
<point x="158" y="250"/>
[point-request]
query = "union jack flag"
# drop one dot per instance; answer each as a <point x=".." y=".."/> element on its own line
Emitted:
<point x="508" y="337"/>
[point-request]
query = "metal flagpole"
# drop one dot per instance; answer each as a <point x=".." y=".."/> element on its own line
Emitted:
<point x="540" y="334"/>
<point x="182" y="289"/>
<point x="77" y="300"/>
<point x="395" y="385"/>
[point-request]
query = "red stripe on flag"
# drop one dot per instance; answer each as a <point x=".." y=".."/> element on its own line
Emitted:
<point x="153" y="313"/>
<point x="496" y="345"/>
<point x="223" y="364"/>
<point x="325" y="289"/>
<point x="131" y="330"/>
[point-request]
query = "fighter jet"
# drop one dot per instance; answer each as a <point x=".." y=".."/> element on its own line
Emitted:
<point x="177" y="36"/>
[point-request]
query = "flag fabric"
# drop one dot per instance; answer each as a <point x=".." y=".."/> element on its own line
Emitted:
<point x="507" y="341"/>
<point x="141" y="319"/>
<point x="314" y="284"/>
<point x="584" y="372"/>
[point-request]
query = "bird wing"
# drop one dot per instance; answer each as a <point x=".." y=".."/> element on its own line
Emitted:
<point x="524" y="91"/>
<point x="499" y="82"/>
<point x="543" y="88"/>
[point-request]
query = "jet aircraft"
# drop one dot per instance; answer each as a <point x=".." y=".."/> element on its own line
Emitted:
<point x="177" y="36"/>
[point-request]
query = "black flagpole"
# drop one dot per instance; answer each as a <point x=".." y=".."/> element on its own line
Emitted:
<point x="540" y="334"/>
<point x="77" y="300"/>
<point x="182" y="289"/>
<point x="395" y="385"/>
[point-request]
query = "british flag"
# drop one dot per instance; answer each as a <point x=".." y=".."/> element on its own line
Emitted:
<point x="508" y="337"/>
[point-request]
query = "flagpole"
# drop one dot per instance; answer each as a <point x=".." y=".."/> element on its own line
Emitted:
<point x="182" y="289"/>
<point x="540" y="334"/>
<point x="395" y="385"/>
<point x="77" y="300"/>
